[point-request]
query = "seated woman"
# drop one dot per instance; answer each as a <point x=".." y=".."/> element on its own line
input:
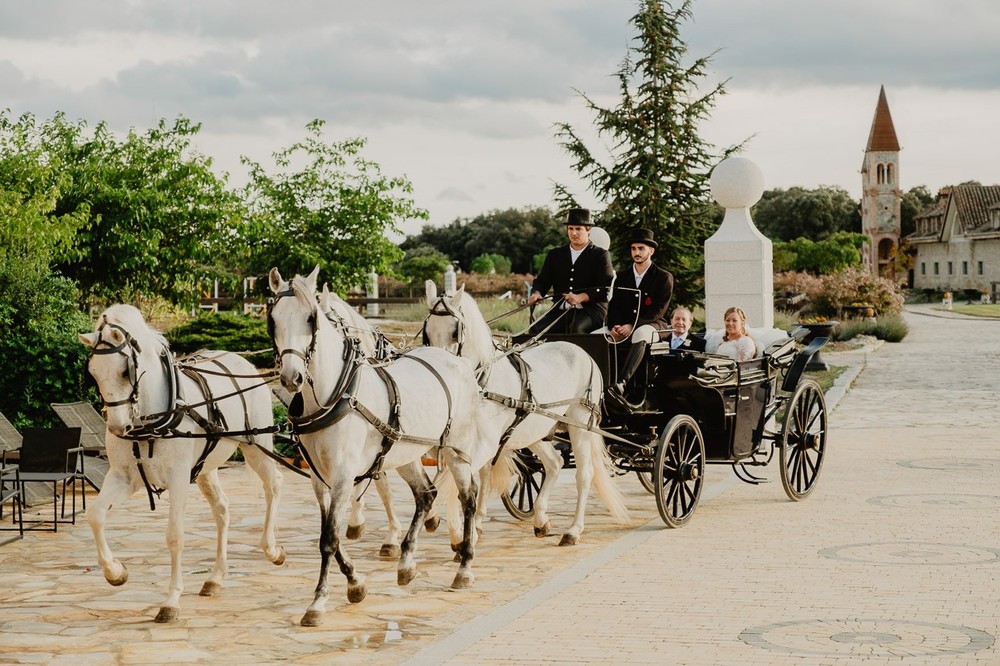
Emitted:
<point x="737" y="343"/>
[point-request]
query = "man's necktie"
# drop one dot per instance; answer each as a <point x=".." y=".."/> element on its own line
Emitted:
<point x="676" y="342"/>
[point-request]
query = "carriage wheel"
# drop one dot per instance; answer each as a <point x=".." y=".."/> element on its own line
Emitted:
<point x="520" y="500"/>
<point x="646" y="480"/>
<point x="803" y="440"/>
<point x="679" y="470"/>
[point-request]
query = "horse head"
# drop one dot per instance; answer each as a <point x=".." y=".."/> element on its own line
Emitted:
<point x="444" y="325"/>
<point x="293" y="322"/>
<point x="123" y="350"/>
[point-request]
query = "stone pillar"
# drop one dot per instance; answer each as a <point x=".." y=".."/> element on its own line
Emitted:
<point x="450" y="281"/>
<point x="371" y="310"/>
<point x="738" y="258"/>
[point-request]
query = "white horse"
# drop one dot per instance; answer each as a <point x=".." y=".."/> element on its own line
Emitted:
<point x="558" y="377"/>
<point x="160" y="415"/>
<point x="356" y="420"/>
<point x="376" y="348"/>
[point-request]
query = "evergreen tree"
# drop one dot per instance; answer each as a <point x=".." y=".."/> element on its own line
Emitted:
<point x="659" y="169"/>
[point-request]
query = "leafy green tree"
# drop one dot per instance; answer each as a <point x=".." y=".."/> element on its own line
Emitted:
<point x="325" y="205"/>
<point x="831" y="255"/>
<point x="914" y="201"/>
<point x="501" y="264"/>
<point x="155" y="218"/>
<point x="659" y="165"/>
<point x="483" y="264"/>
<point x="798" y="212"/>
<point x="517" y="234"/>
<point x="421" y="264"/>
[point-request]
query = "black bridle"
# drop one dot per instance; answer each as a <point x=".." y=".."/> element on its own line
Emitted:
<point x="129" y="348"/>
<point x="441" y="308"/>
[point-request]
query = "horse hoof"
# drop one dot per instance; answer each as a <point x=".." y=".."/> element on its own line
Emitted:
<point x="278" y="559"/>
<point x="568" y="540"/>
<point x="455" y="547"/>
<point x="120" y="580"/>
<point x="312" y="619"/>
<point x="210" y="589"/>
<point x="457" y="558"/>
<point x="168" y="614"/>
<point x="355" y="531"/>
<point x="432" y="523"/>
<point x="357" y="593"/>
<point x="462" y="581"/>
<point x="405" y="576"/>
<point x="390" y="551"/>
<point x="543" y="531"/>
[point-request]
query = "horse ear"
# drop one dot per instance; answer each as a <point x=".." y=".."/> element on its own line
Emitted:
<point x="459" y="292"/>
<point x="90" y="339"/>
<point x="324" y="297"/>
<point x="432" y="292"/>
<point x="274" y="278"/>
<point x="311" y="278"/>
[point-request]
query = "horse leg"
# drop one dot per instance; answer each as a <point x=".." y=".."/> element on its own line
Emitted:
<point x="583" y="452"/>
<point x="552" y="461"/>
<point x="269" y="474"/>
<point x="332" y="501"/>
<point x="115" y="488"/>
<point x="423" y="496"/>
<point x="356" y="521"/>
<point x="170" y="610"/>
<point x="390" y="545"/>
<point x="208" y="483"/>
<point x="467" y="485"/>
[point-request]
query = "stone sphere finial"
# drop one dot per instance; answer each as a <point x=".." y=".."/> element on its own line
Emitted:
<point x="737" y="183"/>
<point x="600" y="238"/>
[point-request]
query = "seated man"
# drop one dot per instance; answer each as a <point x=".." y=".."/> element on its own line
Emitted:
<point x="680" y="337"/>
<point x="579" y="275"/>
<point x="638" y="305"/>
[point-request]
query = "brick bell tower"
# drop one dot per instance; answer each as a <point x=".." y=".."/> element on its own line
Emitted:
<point x="880" y="193"/>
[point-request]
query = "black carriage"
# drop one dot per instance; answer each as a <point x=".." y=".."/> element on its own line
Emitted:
<point x="692" y="409"/>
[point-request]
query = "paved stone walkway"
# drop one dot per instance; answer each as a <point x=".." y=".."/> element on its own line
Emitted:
<point x="895" y="558"/>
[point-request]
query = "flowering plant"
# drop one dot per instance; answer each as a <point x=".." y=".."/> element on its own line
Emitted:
<point x="813" y="320"/>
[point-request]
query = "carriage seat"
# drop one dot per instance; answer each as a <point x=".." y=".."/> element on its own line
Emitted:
<point x="769" y="341"/>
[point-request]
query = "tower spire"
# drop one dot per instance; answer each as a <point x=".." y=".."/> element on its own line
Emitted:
<point x="883" y="135"/>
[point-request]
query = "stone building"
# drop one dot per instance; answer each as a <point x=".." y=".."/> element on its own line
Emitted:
<point x="956" y="244"/>
<point x="880" y="193"/>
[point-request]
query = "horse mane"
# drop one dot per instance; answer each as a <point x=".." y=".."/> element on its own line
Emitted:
<point x="130" y="319"/>
<point x="479" y="336"/>
<point x="304" y="291"/>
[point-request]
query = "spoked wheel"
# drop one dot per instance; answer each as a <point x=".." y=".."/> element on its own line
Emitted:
<point x="520" y="500"/>
<point x="679" y="470"/>
<point x="646" y="480"/>
<point x="803" y="440"/>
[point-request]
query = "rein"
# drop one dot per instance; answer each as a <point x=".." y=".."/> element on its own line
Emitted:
<point x="343" y="399"/>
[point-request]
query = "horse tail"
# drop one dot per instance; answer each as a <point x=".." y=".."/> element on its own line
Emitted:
<point x="604" y="484"/>
<point x="501" y="473"/>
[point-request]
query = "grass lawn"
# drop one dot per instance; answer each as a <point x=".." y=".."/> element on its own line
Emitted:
<point x="826" y="378"/>
<point x="978" y="309"/>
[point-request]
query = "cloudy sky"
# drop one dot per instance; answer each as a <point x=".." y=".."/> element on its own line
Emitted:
<point x="461" y="96"/>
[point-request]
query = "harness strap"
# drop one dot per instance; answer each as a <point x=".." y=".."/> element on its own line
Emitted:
<point x="150" y="490"/>
<point x="522" y="408"/>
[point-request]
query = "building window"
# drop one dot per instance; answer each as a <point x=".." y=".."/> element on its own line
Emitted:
<point x="949" y="268"/>
<point x="923" y="268"/>
<point x="965" y="268"/>
<point x="979" y="267"/>
<point x="888" y="173"/>
<point x="936" y="271"/>
<point x="880" y="174"/>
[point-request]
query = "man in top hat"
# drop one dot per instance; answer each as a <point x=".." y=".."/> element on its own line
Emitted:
<point x="579" y="275"/>
<point x="638" y="307"/>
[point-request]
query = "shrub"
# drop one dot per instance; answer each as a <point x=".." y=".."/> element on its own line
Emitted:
<point x="854" y="286"/>
<point x="227" y="331"/>
<point x="891" y="328"/>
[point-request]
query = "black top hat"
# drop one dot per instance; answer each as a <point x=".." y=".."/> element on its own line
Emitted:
<point x="580" y="216"/>
<point x="644" y="236"/>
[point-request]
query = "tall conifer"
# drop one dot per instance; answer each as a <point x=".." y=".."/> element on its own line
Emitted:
<point x="659" y="166"/>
